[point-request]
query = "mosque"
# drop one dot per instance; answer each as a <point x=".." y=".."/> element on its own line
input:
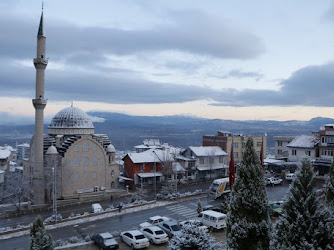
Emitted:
<point x="80" y="162"/>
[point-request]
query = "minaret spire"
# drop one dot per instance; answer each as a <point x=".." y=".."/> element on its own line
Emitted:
<point x="39" y="103"/>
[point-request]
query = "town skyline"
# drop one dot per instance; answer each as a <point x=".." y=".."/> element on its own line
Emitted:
<point x="239" y="61"/>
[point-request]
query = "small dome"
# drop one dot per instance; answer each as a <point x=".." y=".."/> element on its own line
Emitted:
<point x="52" y="150"/>
<point x="111" y="148"/>
<point x="71" y="120"/>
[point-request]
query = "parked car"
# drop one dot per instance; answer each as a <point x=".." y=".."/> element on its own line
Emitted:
<point x="290" y="177"/>
<point x="196" y="223"/>
<point x="105" y="241"/>
<point x="135" y="239"/>
<point x="273" y="181"/>
<point x="154" y="221"/>
<point x="170" y="227"/>
<point x="97" y="208"/>
<point x="207" y="207"/>
<point x="155" y="234"/>
<point x="275" y="208"/>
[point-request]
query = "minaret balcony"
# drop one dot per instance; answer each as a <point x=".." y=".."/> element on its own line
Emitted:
<point x="39" y="103"/>
<point x="40" y="62"/>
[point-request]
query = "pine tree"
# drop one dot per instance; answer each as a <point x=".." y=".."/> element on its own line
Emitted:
<point x="330" y="187"/>
<point x="248" y="221"/>
<point x="194" y="238"/>
<point x="305" y="222"/>
<point x="199" y="207"/>
<point x="39" y="239"/>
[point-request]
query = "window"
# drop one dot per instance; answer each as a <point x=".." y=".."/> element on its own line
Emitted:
<point x="327" y="152"/>
<point x="85" y="147"/>
<point x="235" y="145"/>
<point x="243" y="144"/>
<point x="235" y="155"/>
<point x="210" y="160"/>
<point x="201" y="161"/>
<point x="94" y="147"/>
<point x="279" y="151"/>
<point x="112" y="173"/>
<point x="259" y="144"/>
<point x="294" y="152"/>
<point x="191" y="164"/>
<point x="141" y="168"/>
<point x="76" y="147"/>
<point x="76" y="176"/>
<point x="86" y="161"/>
<point x="327" y="139"/>
<point x="102" y="161"/>
<point x="279" y="144"/>
<point x="94" y="174"/>
<point x="258" y="153"/>
<point x="94" y="161"/>
<point x="221" y="159"/>
<point x="308" y="152"/>
<point x="76" y="162"/>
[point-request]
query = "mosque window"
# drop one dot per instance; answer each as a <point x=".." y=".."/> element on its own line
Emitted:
<point x="86" y="161"/>
<point x="76" y="176"/>
<point x="112" y="184"/>
<point x="85" y="146"/>
<point x="94" y="174"/>
<point x="76" y="162"/>
<point x="94" y="147"/>
<point x="94" y="161"/>
<point x="76" y="147"/>
<point x="102" y="161"/>
<point x="112" y="173"/>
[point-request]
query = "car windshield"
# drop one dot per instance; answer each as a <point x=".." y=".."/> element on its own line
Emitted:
<point x="175" y="227"/>
<point x="139" y="237"/>
<point x="159" y="232"/>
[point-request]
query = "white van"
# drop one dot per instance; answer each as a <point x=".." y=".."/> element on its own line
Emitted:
<point x="213" y="219"/>
<point x="96" y="208"/>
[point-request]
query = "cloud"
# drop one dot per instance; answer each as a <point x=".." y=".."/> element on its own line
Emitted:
<point x="239" y="74"/>
<point x="309" y="86"/>
<point x="189" y="31"/>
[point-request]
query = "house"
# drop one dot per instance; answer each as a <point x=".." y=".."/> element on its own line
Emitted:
<point x="151" y="144"/>
<point x="224" y="140"/>
<point x="204" y="162"/>
<point x="303" y="146"/>
<point x="152" y="166"/>
<point x="281" y="146"/>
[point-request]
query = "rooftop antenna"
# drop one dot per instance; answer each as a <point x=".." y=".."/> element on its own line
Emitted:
<point x="72" y="103"/>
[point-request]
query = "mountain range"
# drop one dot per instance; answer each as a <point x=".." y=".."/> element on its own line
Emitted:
<point x="126" y="131"/>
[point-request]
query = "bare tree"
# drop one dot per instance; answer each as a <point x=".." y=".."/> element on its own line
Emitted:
<point x="16" y="188"/>
<point x="211" y="156"/>
<point x="166" y="160"/>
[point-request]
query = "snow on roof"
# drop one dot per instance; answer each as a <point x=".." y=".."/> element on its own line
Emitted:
<point x="181" y="157"/>
<point x="147" y="175"/>
<point x="304" y="141"/>
<point x="208" y="151"/>
<point x="177" y="167"/>
<point x="7" y="147"/>
<point x="4" y="153"/>
<point x="24" y="145"/>
<point x="151" y="155"/>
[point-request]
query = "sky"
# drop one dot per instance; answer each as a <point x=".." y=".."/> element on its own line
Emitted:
<point x="217" y="59"/>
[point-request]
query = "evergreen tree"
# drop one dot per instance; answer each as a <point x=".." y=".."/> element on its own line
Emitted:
<point x="305" y="222"/>
<point x="248" y="221"/>
<point x="194" y="238"/>
<point x="39" y="239"/>
<point x="199" y="207"/>
<point x="330" y="187"/>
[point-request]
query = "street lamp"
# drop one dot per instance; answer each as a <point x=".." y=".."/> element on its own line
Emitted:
<point x="53" y="154"/>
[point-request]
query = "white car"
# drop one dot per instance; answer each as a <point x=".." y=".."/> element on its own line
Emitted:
<point x="196" y="223"/>
<point x="273" y="181"/>
<point x="290" y="177"/>
<point x="155" y="235"/>
<point x="153" y="221"/>
<point x="135" y="239"/>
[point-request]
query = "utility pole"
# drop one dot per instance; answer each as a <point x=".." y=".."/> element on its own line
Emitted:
<point x="54" y="203"/>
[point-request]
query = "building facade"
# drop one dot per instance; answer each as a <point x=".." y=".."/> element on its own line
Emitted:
<point x="281" y="146"/>
<point x="303" y="147"/>
<point x="224" y="140"/>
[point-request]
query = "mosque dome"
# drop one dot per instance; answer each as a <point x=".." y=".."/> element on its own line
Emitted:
<point x="111" y="148"/>
<point x="52" y="150"/>
<point x="71" y="121"/>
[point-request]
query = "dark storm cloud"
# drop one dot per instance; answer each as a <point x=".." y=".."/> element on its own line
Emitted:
<point x="191" y="31"/>
<point x="309" y="86"/>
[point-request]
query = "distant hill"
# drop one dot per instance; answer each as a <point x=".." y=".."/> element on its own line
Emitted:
<point x="126" y="131"/>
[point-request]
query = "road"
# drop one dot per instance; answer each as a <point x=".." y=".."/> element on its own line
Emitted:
<point x="115" y="225"/>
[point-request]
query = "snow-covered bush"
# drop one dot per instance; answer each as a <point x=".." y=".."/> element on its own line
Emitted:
<point x="248" y="221"/>
<point x="60" y="243"/>
<point x="305" y="223"/>
<point x="52" y="218"/>
<point x="330" y="187"/>
<point x="194" y="238"/>
<point x="74" y="239"/>
<point x="88" y="238"/>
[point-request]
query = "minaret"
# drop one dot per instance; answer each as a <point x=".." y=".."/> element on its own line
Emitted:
<point x="39" y="103"/>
